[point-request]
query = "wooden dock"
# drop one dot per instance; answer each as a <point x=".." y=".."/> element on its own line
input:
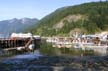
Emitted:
<point x="14" y="43"/>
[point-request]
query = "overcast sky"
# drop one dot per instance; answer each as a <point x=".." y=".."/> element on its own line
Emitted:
<point x="34" y="8"/>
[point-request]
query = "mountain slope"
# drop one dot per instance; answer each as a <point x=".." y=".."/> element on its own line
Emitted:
<point x="88" y="18"/>
<point x="16" y="25"/>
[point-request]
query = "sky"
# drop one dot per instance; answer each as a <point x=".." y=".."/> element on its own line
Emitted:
<point x="34" y="8"/>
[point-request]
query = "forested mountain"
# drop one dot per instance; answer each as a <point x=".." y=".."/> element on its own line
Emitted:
<point x="16" y="25"/>
<point x="87" y="18"/>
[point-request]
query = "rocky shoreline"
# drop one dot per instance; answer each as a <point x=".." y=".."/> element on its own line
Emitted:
<point x="56" y="63"/>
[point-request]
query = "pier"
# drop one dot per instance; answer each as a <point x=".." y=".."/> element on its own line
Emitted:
<point x="23" y="42"/>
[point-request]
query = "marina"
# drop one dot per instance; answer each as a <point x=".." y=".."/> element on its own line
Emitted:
<point x="54" y="35"/>
<point x="96" y="42"/>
